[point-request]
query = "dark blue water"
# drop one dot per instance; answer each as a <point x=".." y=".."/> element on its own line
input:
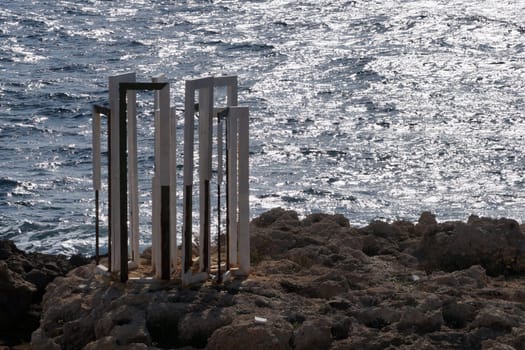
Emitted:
<point x="372" y="109"/>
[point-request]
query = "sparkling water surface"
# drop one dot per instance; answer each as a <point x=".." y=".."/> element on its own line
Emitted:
<point x="371" y="109"/>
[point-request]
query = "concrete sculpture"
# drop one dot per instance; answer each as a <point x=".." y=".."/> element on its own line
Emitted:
<point x="231" y="147"/>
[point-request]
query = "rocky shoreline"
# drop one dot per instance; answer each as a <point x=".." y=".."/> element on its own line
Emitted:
<point x="317" y="283"/>
<point x="23" y="280"/>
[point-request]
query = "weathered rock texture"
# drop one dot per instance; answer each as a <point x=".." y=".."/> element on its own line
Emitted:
<point x="23" y="279"/>
<point x="317" y="283"/>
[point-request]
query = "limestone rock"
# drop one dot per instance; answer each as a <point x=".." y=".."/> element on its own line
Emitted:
<point x="459" y="315"/>
<point x="162" y="320"/>
<point x="495" y="318"/>
<point x="23" y="279"/>
<point x="496" y="244"/>
<point x="274" y="216"/>
<point x="110" y="343"/>
<point x="378" y="317"/>
<point x="315" y="283"/>
<point x="341" y="327"/>
<point x="195" y="328"/>
<point x="494" y="345"/>
<point x="419" y="322"/>
<point x="427" y="219"/>
<point x="129" y="325"/>
<point x="273" y="335"/>
<point x="312" y="335"/>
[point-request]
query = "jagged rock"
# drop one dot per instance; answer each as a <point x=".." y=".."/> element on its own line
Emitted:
<point x="295" y="318"/>
<point x="372" y="340"/>
<point x="195" y="328"/>
<point x="305" y="257"/>
<point x="378" y="316"/>
<point x="340" y="303"/>
<point x="459" y="315"/>
<point x="518" y="335"/>
<point x="17" y="292"/>
<point x="39" y="278"/>
<point x="384" y="230"/>
<point x="320" y="288"/>
<point x="341" y="327"/>
<point x="105" y="343"/>
<point x="273" y="243"/>
<point x="313" y="334"/>
<point x="477" y="336"/>
<point x="128" y="325"/>
<point x="496" y="244"/>
<point x="473" y="277"/>
<point x="323" y="226"/>
<point x="78" y="332"/>
<point x="272" y="335"/>
<point x="23" y="279"/>
<point x="40" y="340"/>
<point x="377" y="245"/>
<point x="59" y="313"/>
<point x="414" y="320"/>
<point x="494" y="318"/>
<point x="312" y="219"/>
<point x="284" y="266"/>
<point x="495" y="345"/>
<point x="110" y="343"/>
<point x="329" y="288"/>
<point x="311" y="286"/>
<point x="278" y="214"/>
<point x="427" y="219"/>
<point x="162" y="320"/>
<point x="77" y="260"/>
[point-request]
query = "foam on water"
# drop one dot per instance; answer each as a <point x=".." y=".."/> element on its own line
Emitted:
<point x="372" y="109"/>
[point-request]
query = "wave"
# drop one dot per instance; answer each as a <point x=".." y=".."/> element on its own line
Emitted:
<point x="7" y="185"/>
<point x="256" y="47"/>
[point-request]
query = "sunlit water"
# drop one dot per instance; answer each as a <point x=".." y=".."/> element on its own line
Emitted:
<point x="372" y="109"/>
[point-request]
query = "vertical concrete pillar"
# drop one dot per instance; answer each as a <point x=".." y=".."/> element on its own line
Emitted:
<point x="244" y="191"/>
<point x="156" y="187"/>
<point x="96" y="175"/>
<point x="189" y="125"/>
<point x="164" y="177"/>
<point x="133" y="176"/>
<point x="173" y="189"/>
<point x="115" y="209"/>
<point x="233" y="190"/>
<point x="204" y="87"/>
<point x="205" y="158"/>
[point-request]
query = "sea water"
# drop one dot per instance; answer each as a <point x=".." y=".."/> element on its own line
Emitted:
<point x="371" y="109"/>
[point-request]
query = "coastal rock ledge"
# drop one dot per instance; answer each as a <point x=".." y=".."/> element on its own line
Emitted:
<point x="23" y="280"/>
<point x="317" y="283"/>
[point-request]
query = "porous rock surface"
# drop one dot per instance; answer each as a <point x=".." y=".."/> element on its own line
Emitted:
<point x="316" y="283"/>
<point x="23" y="279"/>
